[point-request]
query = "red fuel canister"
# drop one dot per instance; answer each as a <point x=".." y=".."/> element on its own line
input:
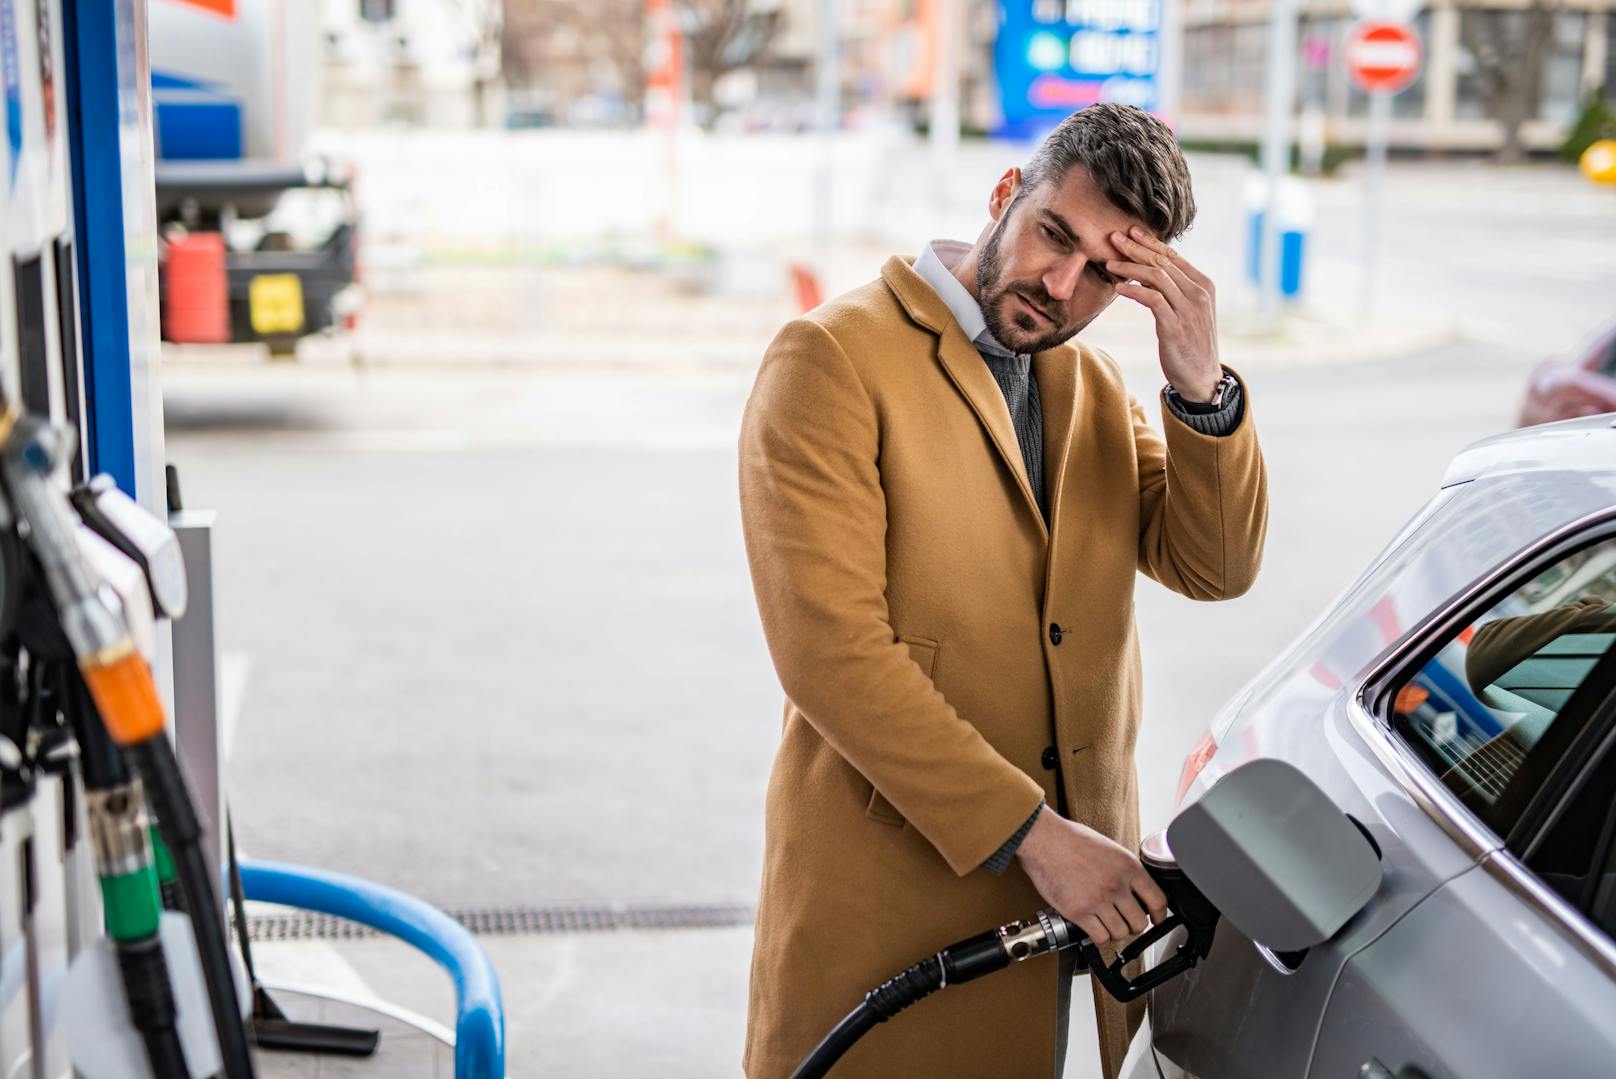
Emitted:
<point x="197" y="307"/>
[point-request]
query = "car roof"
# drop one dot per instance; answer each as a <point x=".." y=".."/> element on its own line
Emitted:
<point x="1586" y="444"/>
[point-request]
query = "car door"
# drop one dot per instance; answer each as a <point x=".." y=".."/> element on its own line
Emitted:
<point x="1507" y="708"/>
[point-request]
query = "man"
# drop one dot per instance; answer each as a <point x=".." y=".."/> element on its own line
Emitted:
<point x="945" y="499"/>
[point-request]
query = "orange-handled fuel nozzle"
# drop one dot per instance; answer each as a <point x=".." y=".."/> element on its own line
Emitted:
<point x="32" y="455"/>
<point x="92" y="617"/>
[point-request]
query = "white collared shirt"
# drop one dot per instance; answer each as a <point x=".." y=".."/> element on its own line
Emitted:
<point x="935" y="267"/>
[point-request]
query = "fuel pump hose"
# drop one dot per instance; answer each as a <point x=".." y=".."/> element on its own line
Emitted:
<point x="958" y="963"/>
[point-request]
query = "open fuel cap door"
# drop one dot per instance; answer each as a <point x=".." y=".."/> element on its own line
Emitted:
<point x="1276" y="856"/>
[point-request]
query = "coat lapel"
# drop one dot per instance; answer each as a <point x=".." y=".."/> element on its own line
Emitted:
<point x="969" y="373"/>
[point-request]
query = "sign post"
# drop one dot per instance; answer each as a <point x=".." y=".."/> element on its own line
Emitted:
<point x="1383" y="59"/>
<point x="828" y="120"/>
<point x="1279" y="95"/>
<point x="664" y="98"/>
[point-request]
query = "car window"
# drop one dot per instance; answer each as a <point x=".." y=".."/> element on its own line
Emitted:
<point x="1607" y="365"/>
<point x="1504" y="699"/>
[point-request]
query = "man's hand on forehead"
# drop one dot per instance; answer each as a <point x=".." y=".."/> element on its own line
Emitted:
<point x="1183" y="301"/>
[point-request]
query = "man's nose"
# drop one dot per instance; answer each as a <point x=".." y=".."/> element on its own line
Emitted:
<point x="1061" y="280"/>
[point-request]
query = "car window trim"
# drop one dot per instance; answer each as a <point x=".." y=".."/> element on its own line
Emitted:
<point x="1430" y="634"/>
<point x="1409" y="770"/>
<point x="1479" y="842"/>
<point x="1423" y="640"/>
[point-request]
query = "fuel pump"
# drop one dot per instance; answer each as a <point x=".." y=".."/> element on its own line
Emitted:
<point x="84" y="760"/>
<point x="44" y="868"/>
<point x="63" y="714"/>
<point x="123" y="698"/>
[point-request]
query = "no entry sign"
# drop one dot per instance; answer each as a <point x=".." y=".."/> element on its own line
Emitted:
<point x="1383" y="56"/>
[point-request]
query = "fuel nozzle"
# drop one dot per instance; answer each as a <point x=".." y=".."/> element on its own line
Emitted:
<point x="1187" y="909"/>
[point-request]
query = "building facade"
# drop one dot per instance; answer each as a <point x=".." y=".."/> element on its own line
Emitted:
<point x="412" y="62"/>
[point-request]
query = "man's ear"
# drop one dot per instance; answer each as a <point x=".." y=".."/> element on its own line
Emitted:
<point x="1004" y="192"/>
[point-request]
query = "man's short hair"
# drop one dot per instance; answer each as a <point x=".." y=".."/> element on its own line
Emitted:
<point x="1131" y="156"/>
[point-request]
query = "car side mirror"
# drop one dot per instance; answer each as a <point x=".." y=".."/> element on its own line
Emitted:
<point x="1276" y="856"/>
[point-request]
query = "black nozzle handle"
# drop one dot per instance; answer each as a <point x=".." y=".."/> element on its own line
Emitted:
<point x="1189" y="909"/>
<point x="1124" y="988"/>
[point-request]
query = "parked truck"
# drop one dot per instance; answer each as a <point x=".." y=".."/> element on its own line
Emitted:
<point x="260" y="241"/>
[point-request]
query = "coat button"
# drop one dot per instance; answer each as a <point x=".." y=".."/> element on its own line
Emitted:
<point x="1050" y="758"/>
<point x="1054" y="633"/>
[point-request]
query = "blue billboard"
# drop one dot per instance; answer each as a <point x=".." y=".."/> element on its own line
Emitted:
<point x="1053" y="57"/>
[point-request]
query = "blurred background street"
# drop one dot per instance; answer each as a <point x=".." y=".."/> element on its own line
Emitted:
<point x="488" y="630"/>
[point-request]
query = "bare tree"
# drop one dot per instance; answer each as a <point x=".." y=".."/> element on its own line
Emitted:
<point x="573" y="47"/>
<point x="722" y="36"/>
<point x="1511" y="51"/>
<point x="566" y="45"/>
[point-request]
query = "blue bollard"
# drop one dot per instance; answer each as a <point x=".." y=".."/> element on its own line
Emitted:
<point x="1292" y="249"/>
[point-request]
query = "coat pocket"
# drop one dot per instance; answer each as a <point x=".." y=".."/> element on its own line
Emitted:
<point x="923" y="650"/>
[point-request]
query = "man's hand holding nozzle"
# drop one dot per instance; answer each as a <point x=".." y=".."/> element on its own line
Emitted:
<point x="1094" y="882"/>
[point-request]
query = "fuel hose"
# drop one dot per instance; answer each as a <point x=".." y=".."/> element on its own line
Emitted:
<point x="965" y="961"/>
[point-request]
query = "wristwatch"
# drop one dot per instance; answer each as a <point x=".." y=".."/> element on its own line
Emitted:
<point x="1219" y="393"/>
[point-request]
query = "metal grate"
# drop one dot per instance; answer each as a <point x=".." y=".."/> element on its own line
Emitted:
<point x="514" y="921"/>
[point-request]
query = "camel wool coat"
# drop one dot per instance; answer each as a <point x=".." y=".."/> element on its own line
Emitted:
<point x="908" y="588"/>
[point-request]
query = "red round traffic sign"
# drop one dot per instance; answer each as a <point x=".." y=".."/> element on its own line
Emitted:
<point x="1383" y="56"/>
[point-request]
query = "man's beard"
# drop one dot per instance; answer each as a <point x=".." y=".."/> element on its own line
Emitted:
<point x="1017" y="332"/>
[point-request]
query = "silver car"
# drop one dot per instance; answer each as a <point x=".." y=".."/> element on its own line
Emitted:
<point x="1459" y="702"/>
